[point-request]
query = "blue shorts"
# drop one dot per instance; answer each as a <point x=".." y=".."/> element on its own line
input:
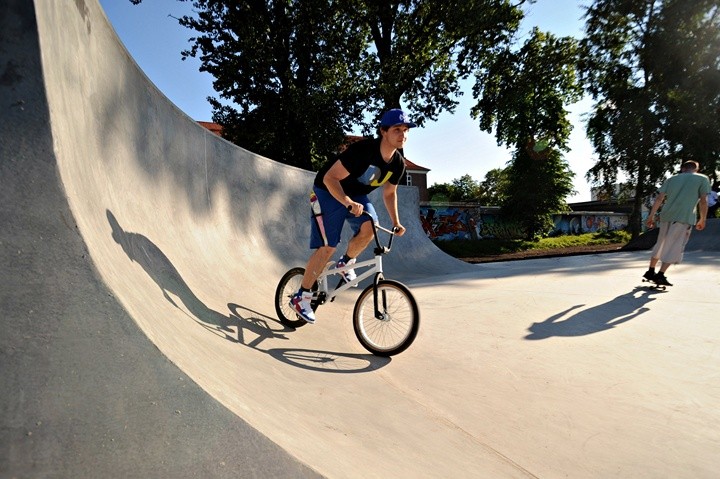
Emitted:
<point x="329" y="216"/>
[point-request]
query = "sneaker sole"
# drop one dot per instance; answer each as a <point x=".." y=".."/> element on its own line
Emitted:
<point x="300" y="315"/>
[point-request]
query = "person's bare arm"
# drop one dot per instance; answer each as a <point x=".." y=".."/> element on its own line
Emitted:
<point x="390" y="200"/>
<point x="703" y="213"/>
<point x="332" y="178"/>
<point x="653" y="211"/>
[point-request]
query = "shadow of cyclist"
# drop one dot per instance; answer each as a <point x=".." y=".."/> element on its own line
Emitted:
<point x="252" y="327"/>
<point x="161" y="270"/>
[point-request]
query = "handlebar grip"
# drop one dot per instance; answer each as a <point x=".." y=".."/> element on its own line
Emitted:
<point x="349" y="208"/>
<point x="365" y="212"/>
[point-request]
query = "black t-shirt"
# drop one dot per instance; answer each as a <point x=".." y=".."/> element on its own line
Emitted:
<point x="367" y="168"/>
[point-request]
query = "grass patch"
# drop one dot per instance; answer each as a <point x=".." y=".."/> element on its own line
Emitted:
<point x="490" y="247"/>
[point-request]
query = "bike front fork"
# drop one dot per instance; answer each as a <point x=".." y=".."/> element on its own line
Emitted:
<point x="380" y="314"/>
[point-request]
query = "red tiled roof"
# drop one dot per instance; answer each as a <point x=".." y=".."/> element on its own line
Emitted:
<point x="214" y="127"/>
<point x="349" y="139"/>
<point x="412" y="166"/>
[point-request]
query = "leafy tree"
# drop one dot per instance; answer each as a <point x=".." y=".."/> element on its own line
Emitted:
<point x="424" y="47"/>
<point x="684" y="60"/>
<point x="488" y="192"/>
<point x="625" y="127"/>
<point x="304" y="71"/>
<point x="536" y="190"/>
<point x="652" y="68"/>
<point x="441" y="193"/>
<point x="493" y="189"/>
<point x="521" y="96"/>
<point x="466" y="188"/>
<point x="289" y="78"/>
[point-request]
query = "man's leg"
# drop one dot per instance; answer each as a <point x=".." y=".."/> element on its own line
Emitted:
<point x="315" y="265"/>
<point x="363" y="228"/>
<point x="657" y="251"/>
<point x="328" y="219"/>
<point x="357" y="244"/>
<point x="360" y="241"/>
<point x="660" y="277"/>
<point x="677" y="237"/>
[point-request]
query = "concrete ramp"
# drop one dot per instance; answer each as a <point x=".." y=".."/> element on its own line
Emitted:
<point x="706" y="240"/>
<point x="124" y="220"/>
<point x="84" y="392"/>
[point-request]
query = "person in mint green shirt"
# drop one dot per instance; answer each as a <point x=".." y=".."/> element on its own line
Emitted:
<point x="679" y="197"/>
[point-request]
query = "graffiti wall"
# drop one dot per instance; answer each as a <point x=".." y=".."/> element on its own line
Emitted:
<point x="464" y="222"/>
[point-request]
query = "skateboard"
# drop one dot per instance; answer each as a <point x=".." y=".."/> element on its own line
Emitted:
<point x="654" y="285"/>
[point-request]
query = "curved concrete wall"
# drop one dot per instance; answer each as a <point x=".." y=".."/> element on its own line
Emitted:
<point x="522" y="369"/>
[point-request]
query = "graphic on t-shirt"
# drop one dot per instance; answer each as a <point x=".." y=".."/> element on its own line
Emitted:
<point x="372" y="176"/>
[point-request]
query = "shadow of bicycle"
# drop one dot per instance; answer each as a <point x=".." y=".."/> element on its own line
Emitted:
<point x="264" y="327"/>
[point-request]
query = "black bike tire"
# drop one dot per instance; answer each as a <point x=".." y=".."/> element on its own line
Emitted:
<point x="364" y="321"/>
<point x="288" y="285"/>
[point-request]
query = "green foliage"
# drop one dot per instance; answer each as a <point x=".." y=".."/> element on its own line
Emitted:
<point x="489" y="247"/>
<point x="441" y="193"/>
<point x="289" y="80"/>
<point x="522" y="93"/>
<point x="684" y="60"/>
<point x="624" y="128"/>
<point x="294" y="76"/>
<point x="538" y="190"/>
<point x="521" y="96"/>
<point x="465" y="189"/>
<point x="494" y="188"/>
<point x="422" y="48"/>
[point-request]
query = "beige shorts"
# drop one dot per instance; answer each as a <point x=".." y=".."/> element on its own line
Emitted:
<point x="671" y="242"/>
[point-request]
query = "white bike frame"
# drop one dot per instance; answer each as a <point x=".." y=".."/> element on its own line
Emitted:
<point x="375" y="267"/>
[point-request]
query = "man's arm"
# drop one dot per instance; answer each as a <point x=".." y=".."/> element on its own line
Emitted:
<point x="653" y="211"/>
<point x="703" y="213"/>
<point x="390" y="199"/>
<point x="332" y="178"/>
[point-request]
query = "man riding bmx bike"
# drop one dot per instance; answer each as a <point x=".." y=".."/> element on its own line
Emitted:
<point x="340" y="194"/>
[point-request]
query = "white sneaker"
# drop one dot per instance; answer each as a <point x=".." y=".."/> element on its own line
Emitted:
<point x="348" y="275"/>
<point x="302" y="306"/>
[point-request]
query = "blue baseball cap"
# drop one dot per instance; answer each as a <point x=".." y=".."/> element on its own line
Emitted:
<point x="396" y="117"/>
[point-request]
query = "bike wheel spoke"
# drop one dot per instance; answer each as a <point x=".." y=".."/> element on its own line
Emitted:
<point x="399" y="323"/>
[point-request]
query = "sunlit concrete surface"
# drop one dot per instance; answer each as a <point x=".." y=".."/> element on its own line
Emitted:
<point x="562" y="367"/>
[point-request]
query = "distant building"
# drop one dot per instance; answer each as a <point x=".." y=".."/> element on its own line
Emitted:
<point x="417" y="176"/>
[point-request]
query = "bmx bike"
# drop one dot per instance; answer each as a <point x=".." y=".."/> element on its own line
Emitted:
<point x="386" y="318"/>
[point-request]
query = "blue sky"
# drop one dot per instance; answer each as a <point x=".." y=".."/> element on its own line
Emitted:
<point x="451" y="147"/>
